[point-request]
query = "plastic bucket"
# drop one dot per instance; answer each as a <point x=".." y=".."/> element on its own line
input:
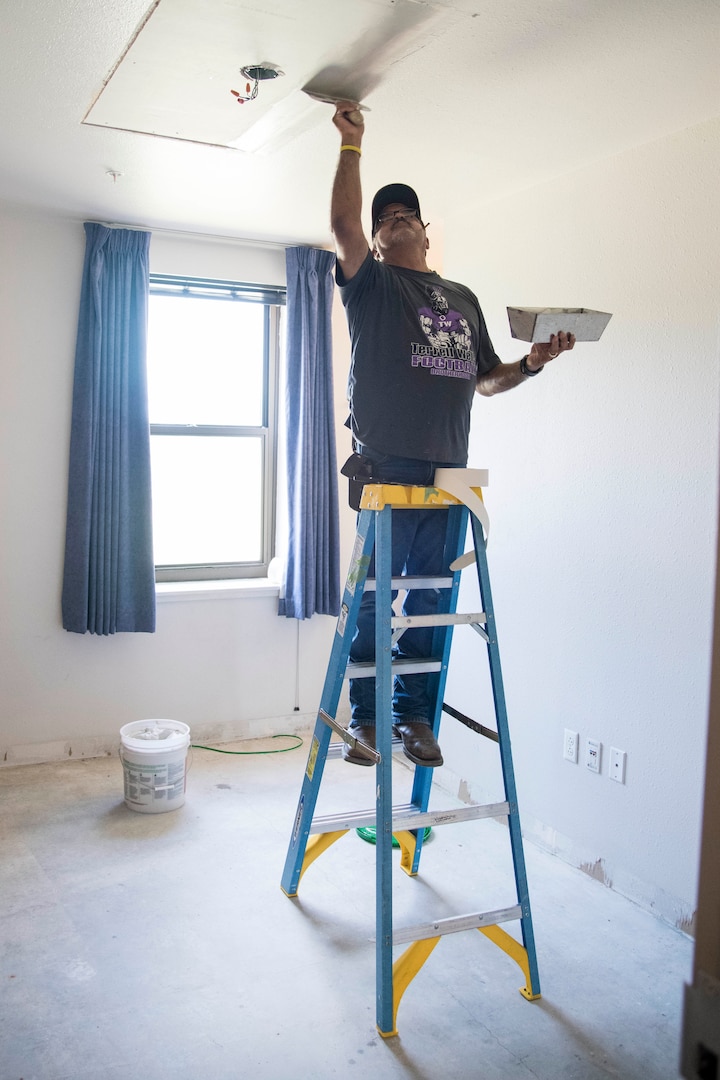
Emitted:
<point x="154" y="758"/>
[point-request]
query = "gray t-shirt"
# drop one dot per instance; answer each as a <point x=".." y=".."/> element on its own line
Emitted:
<point x="418" y="345"/>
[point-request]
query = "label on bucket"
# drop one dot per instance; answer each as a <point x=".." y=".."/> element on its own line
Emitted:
<point x="152" y="782"/>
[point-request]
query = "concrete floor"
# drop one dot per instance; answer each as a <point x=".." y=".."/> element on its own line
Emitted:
<point x="154" y="946"/>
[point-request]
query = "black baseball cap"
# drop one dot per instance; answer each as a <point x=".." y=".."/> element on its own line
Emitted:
<point x="393" y="193"/>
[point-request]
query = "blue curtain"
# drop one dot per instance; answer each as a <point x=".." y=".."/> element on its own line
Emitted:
<point x="109" y="580"/>
<point x="312" y="573"/>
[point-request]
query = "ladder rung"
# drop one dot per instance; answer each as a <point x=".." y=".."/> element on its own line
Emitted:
<point x="367" y="669"/>
<point x="353" y="819"/>
<point x="335" y="748"/>
<point x="456" y="924"/>
<point x="461" y="619"/>
<point x="408" y="817"/>
<point x="408" y="582"/>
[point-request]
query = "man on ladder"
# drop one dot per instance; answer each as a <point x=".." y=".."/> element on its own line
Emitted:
<point x="420" y="350"/>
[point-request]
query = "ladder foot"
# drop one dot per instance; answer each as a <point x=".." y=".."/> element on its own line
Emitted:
<point x="316" y="845"/>
<point x="408" y="846"/>
<point x="404" y="971"/>
<point x="516" y="952"/>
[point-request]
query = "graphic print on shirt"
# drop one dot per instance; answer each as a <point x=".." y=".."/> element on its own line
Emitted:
<point x="448" y="350"/>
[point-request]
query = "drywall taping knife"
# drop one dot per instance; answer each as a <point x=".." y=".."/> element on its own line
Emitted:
<point x="355" y="117"/>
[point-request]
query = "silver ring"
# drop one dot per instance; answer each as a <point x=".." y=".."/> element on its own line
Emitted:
<point x="553" y="355"/>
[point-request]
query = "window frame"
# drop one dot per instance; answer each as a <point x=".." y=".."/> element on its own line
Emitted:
<point x="273" y="298"/>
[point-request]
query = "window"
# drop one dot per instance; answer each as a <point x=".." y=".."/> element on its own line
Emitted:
<point x="213" y="350"/>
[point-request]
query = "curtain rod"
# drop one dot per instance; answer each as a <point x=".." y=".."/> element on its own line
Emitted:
<point x="276" y="244"/>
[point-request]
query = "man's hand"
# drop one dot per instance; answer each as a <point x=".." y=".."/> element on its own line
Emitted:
<point x="543" y="352"/>
<point x="506" y="376"/>
<point x="349" y="121"/>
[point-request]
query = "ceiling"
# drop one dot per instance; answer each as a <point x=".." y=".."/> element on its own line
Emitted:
<point x="121" y="110"/>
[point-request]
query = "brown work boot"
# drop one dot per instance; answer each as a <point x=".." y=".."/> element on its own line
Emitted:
<point x="355" y="754"/>
<point x="419" y="744"/>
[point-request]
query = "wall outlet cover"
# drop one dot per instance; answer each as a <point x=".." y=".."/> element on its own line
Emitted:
<point x="593" y="751"/>
<point x="570" y="746"/>
<point x="617" y="764"/>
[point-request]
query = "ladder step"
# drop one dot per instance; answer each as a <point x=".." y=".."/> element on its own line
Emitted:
<point x="408" y="817"/>
<point x="407" y="582"/>
<point x="456" y="924"/>
<point x="458" y="619"/>
<point x="367" y="669"/>
<point x="335" y="749"/>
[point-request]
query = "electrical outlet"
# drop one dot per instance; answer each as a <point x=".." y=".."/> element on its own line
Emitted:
<point x="570" y="746"/>
<point x="617" y="764"/>
<point x="593" y="752"/>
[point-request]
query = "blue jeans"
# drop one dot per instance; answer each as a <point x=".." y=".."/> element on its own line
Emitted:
<point x="418" y="548"/>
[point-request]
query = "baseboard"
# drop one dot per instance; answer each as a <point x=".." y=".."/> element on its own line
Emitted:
<point x="75" y="749"/>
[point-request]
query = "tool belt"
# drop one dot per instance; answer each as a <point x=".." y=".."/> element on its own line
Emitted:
<point x="358" y="470"/>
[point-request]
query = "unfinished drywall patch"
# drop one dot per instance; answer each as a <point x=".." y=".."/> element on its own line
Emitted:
<point x="687" y="924"/>
<point x="186" y="68"/>
<point x="464" y="792"/>
<point x="596" y="870"/>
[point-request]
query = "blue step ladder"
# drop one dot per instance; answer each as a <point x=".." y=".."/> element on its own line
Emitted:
<point x="460" y="490"/>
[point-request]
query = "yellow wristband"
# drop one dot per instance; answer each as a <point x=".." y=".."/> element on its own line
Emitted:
<point x="355" y="148"/>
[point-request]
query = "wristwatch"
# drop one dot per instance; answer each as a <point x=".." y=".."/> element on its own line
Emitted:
<point x="525" y="370"/>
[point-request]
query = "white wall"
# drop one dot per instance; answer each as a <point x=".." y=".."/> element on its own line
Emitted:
<point x="228" y="667"/>
<point x="602" y="498"/>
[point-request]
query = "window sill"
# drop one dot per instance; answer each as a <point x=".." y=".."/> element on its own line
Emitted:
<point x="235" y="589"/>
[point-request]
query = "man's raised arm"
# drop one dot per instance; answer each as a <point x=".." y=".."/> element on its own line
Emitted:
<point x="346" y="206"/>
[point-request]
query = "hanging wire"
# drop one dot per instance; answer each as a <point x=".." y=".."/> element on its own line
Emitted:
<point x="255" y="74"/>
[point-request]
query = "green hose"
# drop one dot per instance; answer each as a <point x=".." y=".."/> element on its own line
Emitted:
<point x="243" y="753"/>
<point x="368" y="834"/>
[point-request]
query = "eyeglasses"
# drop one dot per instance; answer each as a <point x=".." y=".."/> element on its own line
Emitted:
<point x="404" y="215"/>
